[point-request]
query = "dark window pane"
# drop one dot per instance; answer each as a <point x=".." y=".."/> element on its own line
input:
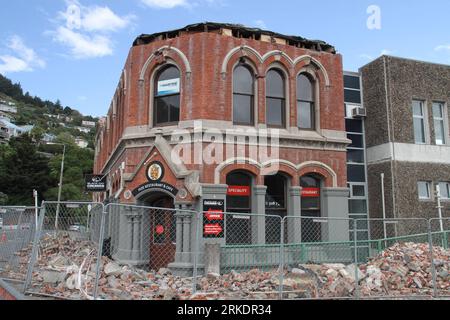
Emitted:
<point x="356" y="173"/>
<point x="275" y="112"/>
<point x="276" y="192"/>
<point x="167" y="109"/>
<point x="305" y="115"/>
<point x="357" y="140"/>
<point x="242" y="109"/>
<point x="275" y="84"/>
<point x="352" y="96"/>
<point x="355" y="156"/>
<point x="168" y="74"/>
<point x="358" y="191"/>
<point x="353" y="125"/>
<point x="243" y="80"/>
<point x="357" y="206"/>
<point x="351" y="82"/>
<point x="309" y="182"/>
<point x="305" y="88"/>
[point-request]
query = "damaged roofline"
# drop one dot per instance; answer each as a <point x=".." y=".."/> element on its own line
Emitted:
<point x="239" y="31"/>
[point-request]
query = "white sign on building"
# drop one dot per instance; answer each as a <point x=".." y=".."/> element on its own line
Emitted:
<point x="167" y="87"/>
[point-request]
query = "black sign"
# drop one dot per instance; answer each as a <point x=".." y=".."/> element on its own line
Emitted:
<point x="155" y="185"/>
<point x="213" y="218"/>
<point x="95" y="183"/>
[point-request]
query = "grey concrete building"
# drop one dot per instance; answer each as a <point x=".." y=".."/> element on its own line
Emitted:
<point x="407" y="136"/>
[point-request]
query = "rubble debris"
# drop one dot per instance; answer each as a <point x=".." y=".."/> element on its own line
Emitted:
<point x="66" y="269"/>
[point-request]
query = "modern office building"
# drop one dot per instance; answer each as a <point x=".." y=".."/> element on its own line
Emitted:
<point x="407" y="136"/>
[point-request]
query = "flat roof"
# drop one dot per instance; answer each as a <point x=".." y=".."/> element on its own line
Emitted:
<point x="239" y="31"/>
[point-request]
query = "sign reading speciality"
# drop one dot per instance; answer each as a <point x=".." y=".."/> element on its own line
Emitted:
<point x="167" y="87"/>
<point x="239" y="191"/>
<point x="95" y="183"/>
<point x="311" y="192"/>
<point x="213" y="218"/>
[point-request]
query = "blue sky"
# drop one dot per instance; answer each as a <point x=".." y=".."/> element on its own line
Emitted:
<point x="56" y="56"/>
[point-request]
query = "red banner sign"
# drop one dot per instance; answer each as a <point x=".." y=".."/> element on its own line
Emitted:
<point x="212" y="215"/>
<point x="242" y="191"/>
<point x="213" y="229"/>
<point x="311" y="192"/>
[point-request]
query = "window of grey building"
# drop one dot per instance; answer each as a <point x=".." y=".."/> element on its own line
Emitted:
<point x="439" y="123"/>
<point x="167" y="96"/>
<point x="419" y="121"/>
<point x="356" y="163"/>
<point x="445" y="190"/>
<point x="243" y="95"/>
<point x="275" y="99"/>
<point x="305" y="103"/>
<point x="424" y="188"/>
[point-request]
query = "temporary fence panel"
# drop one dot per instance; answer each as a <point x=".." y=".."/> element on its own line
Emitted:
<point x="65" y="255"/>
<point x="139" y="245"/>
<point x="318" y="258"/>
<point x="17" y="228"/>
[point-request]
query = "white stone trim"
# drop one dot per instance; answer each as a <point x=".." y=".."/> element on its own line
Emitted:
<point x="152" y="56"/>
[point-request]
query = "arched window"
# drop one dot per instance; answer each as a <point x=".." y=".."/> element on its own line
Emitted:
<point x="243" y="95"/>
<point x="167" y="96"/>
<point x="305" y="103"/>
<point x="239" y="197"/>
<point x="311" y="189"/>
<point x="276" y="205"/>
<point x="275" y="99"/>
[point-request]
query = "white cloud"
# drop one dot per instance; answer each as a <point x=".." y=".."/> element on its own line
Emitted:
<point x="444" y="47"/>
<point x="87" y="30"/>
<point x="165" y="4"/>
<point x="84" y="46"/>
<point x="260" y="24"/>
<point x="384" y="52"/>
<point x="22" y="58"/>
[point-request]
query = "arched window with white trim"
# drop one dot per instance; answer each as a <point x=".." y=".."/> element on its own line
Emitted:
<point x="306" y="104"/>
<point x="275" y="99"/>
<point x="167" y="96"/>
<point x="243" y="95"/>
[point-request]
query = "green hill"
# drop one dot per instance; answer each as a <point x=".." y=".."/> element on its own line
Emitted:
<point x="28" y="162"/>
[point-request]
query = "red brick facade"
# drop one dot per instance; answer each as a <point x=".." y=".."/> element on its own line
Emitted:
<point x="206" y="61"/>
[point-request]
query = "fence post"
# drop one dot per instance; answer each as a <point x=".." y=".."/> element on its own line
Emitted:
<point x="100" y="249"/>
<point x="34" y="251"/>
<point x="196" y="251"/>
<point x="445" y="240"/>
<point x="281" y="268"/>
<point x="355" y="235"/>
<point x="433" y="269"/>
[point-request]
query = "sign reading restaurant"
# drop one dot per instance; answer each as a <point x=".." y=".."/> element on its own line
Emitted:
<point x="95" y="183"/>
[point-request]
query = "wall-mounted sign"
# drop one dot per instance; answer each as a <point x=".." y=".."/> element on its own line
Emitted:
<point x="95" y="183"/>
<point x="155" y="171"/>
<point x="213" y="218"/>
<point x="167" y="87"/>
<point x="238" y="191"/>
<point x="155" y="186"/>
<point x="311" y="192"/>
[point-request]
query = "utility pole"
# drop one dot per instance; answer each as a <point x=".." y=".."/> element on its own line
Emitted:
<point x="439" y="206"/>
<point x="35" y="195"/>
<point x="58" y="205"/>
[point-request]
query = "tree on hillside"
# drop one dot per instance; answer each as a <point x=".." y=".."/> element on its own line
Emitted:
<point x="22" y="169"/>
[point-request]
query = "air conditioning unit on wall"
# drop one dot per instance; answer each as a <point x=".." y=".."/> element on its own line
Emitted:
<point x="359" y="112"/>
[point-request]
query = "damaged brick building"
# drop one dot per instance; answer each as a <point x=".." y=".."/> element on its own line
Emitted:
<point x="230" y="79"/>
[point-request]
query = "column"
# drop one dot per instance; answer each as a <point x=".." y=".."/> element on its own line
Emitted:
<point x="293" y="221"/>
<point x="259" y="222"/>
<point x="335" y="205"/>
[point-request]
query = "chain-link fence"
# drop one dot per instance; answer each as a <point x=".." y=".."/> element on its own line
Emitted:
<point x="17" y="229"/>
<point x="318" y="258"/>
<point x="64" y="254"/>
<point x="129" y="252"/>
<point x="143" y="248"/>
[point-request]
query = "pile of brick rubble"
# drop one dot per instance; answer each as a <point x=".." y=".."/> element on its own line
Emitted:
<point x="66" y="269"/>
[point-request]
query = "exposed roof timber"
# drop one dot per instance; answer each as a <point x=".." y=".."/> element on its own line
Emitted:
<point x="239" y="30"/>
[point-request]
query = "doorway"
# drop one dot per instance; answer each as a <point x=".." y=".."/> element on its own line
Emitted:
<point x="162" y="231"/>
